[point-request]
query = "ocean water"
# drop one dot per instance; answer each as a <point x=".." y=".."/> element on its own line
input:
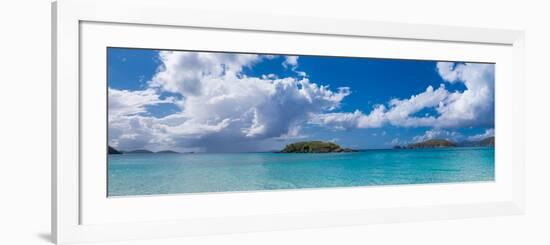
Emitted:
<point x="150" y="174"/>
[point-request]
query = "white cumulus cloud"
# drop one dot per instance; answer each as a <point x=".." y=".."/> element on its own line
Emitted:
<point x="291" y="61"/>
<point x="183" y="72"/>
<point x="342" y="120"/>
<point x="221" y="108"/>
<point x="124" y="102"/>
<point x="488" y="133"/>
<point x="472" y="107"/>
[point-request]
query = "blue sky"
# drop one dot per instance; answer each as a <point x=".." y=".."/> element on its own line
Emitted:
<point x="219" y="102"/>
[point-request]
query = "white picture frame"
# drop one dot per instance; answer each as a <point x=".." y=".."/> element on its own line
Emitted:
<point x="73" y="182"/>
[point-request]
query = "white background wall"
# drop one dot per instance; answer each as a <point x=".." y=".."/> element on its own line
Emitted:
<point x="25" y="122"/>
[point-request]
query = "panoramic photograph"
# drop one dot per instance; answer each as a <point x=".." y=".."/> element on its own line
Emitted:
<point x="207" y="122"/>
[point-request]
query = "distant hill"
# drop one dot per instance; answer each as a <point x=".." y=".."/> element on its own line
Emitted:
<point x="168" y="151"/>
<point x="139" y="151"/>
<point x="486" y="142"/>
<point x="442" y="143"/>
<point x="490" y="141"/>
<point x="433" y="143"/>
<point x="314" y="147"/>
<point x="111" y="150"/>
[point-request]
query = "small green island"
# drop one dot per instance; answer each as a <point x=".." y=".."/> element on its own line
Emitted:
<point x="433" y="143"/>
<point x="314" y="147"/>
<point x="443" y="143"/>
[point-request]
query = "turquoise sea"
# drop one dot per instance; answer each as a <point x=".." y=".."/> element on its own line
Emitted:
<point x="150" y="174"/>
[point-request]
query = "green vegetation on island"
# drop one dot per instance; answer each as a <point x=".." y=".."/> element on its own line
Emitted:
<point x="314" y="147"/>
<point x="443" y="143"/>
<point x="433" y="143"/>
